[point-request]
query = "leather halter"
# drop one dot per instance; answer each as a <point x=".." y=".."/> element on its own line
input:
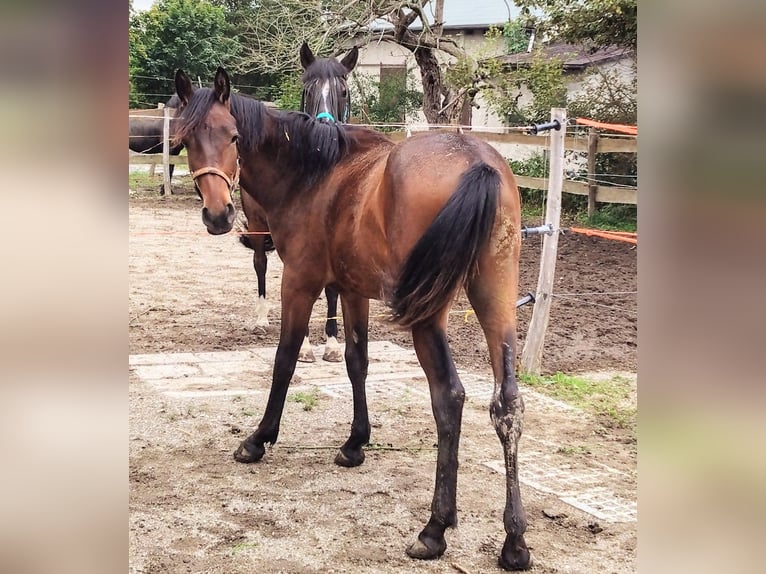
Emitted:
<point x="232" y="182"/>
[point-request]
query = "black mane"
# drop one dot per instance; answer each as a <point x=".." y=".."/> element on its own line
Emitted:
<point x="312" y="147"/>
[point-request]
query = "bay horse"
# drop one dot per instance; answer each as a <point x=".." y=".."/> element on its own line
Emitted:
<point x="408" y="223"/>
<point x="146" y="131"/>
<point x="324" y="96"/>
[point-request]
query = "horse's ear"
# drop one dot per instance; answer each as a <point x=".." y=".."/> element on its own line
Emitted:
<point x="222" y="86"/>
<point x="184" y="87"/>
<point x="349" y="61"/>
<point x="307" y="56"/>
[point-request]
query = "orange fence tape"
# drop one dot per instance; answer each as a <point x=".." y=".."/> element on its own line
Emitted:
<point x="616" y="235"/>
<point x="631" y="130"/>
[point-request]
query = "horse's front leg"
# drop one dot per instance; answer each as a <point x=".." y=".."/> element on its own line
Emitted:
<point x="447" y="397"/>
<point x="296" y="310"/>
<point x="356" y="311"/>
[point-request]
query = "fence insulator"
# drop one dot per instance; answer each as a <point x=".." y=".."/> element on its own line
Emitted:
<point x="546" y="229"/>
<point x="553" y="125"/>
<point x="528" y="298"/>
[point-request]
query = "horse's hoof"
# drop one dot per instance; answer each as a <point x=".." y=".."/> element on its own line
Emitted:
<point x="306" y="357"/>
<point x="341" y="459"/>
<point x="333" y="356"/>
<point x="426" y="550"/>
<point x="515" y="555"/>
<point x="262" y="322"/>
<point x="248" y="452"/>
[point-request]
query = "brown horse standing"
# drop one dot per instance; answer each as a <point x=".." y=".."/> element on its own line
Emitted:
<point x="411" y="224"/>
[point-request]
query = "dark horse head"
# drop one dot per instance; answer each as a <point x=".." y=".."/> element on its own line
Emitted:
<point x="325" y="93"/>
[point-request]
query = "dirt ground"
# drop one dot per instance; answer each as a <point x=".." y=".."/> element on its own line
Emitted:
<point x="194" y="509"/>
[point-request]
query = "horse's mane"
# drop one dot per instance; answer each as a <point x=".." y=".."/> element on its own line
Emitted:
<point x="313" y="147"/>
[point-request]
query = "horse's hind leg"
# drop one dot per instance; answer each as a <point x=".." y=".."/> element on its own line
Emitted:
<point x="306" y="353"/>
<point x="447" y="397"/>
<point x="493" y="297"/>
<point x="356" y="312"/>
<point x="332" y="350"/>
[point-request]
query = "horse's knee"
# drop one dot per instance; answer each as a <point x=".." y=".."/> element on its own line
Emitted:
<point x="507" y="414"/>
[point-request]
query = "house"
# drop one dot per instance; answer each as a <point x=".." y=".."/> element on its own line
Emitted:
<point x="576" y="62"/>
<point x="466" y="22"/>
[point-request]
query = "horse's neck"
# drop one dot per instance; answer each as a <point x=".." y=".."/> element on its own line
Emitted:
<point x="265" y="170"/>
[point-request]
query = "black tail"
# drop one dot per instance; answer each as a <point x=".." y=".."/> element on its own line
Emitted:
<point x="448" y="251"/>
<point x="244" y="239"/>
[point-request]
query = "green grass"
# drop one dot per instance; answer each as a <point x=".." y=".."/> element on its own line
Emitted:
<point x="572" y="450"/>
<point x="308" y="400"/>
<point x="611" y="217"/>
<point x="141" y="180"/>
<point x="606" y="398"/>
<point x="239" y="547"/>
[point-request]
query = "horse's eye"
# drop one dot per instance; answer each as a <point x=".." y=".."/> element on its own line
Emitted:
<point x="235" y="138"/>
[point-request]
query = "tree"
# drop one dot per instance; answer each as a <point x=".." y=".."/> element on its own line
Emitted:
<point x="270" y="30"/>
<point x="172" y="34"/>
<point x="599" y="23"/>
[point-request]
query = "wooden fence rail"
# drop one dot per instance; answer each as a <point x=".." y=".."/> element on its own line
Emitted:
<point x="595" y="193"/>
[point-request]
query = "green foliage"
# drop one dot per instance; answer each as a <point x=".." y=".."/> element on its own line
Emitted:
<point x="384" y="100"/>
<point x="607" y="97"/>
<point x="597" y="22"/>
<point x="544" y="78"/>
<point x="289" y="92"/>
<point x="309" y="400"/>
<point x="516" y="40"/>
<point x="172" y="34"/>
<point x="531" y="199"/>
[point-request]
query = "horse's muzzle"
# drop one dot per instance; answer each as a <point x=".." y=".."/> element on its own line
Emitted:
<point x="221" y="222"/>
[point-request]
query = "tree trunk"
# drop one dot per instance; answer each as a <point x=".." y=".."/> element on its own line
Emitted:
<point x="431" y="76"/>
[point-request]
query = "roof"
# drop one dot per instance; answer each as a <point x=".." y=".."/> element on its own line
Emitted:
<point x="462" y="14"/>
<point x="575" y="58"/>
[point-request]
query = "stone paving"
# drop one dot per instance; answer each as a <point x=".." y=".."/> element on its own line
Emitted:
<point x="393" y="372"/>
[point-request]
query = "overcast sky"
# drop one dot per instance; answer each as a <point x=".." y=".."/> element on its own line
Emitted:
<point x="142" y="4"/>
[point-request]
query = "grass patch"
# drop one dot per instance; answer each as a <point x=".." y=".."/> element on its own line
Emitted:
<point x="309" y="400"/>
<point x="605" y="398"/>
<point x="572" y="450"/>
<point x="138" y="180"/>
<point x="611" y="217"/>
<point x="240" y="546"/>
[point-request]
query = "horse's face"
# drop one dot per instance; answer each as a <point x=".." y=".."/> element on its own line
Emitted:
<point x="212" y="153"/>
<point x="325" y="89"/>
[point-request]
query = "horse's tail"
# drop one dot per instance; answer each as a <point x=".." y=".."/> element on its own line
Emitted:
<point x="447" y="253"/>
<point x="240" y="229"/>
<point x="245" y="239"/>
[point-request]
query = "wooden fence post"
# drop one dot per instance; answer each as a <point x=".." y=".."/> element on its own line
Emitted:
<point x="166" y="151"/>
<point x="531" y="356"/>
<point x="592" y="147"/>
